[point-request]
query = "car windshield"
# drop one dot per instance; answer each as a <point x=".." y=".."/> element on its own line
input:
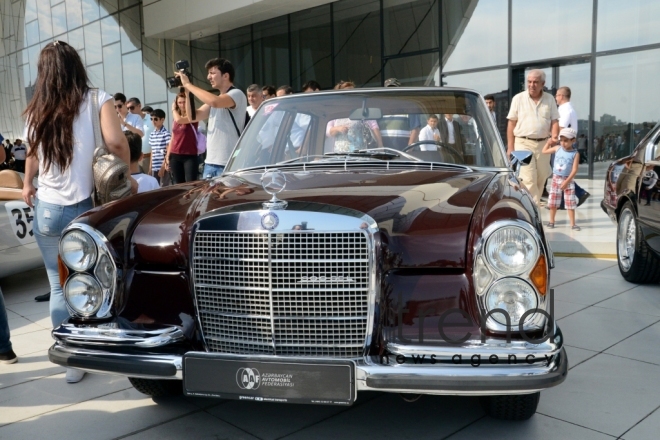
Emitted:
<point x="430" y="125"/>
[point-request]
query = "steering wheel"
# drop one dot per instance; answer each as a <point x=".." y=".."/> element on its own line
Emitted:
<point x="452" y="150"/>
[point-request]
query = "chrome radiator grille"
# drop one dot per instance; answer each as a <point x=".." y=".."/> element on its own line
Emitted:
<point x="292" y="293"/>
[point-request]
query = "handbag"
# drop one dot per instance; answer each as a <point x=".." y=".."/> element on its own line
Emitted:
<point x="110" y="172"/>
<point x="201" y="141"/>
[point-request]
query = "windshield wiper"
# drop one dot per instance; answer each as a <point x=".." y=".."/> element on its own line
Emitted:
<point x="372" y="154"/>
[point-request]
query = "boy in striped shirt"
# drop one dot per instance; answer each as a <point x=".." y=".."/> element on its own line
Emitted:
<point x="159" y="139"/>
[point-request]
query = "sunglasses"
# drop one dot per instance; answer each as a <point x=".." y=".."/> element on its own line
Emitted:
<point x="130" y="107"/>
<point x="155" y="119"/>
<point x="119" y="105"/>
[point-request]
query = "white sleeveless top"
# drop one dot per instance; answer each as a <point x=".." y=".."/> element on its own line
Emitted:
<point x="76" y="183"/>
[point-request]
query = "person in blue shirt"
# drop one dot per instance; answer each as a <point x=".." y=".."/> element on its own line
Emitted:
<point x="563" y="171"/>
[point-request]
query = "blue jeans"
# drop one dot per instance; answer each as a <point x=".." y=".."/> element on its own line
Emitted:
<point x="5" y="343"/>
<point x="211" y="170"/>
<point x="49" y="221"/>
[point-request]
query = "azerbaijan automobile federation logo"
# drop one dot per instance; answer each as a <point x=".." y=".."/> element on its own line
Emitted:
<point x="248" y="378"/>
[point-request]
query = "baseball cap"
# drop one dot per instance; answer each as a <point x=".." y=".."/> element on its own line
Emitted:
<point x="568" y="133"/>
<point x="392" y="82"/>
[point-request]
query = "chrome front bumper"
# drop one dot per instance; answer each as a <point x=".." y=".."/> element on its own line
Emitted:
<point x="547" y="366"/>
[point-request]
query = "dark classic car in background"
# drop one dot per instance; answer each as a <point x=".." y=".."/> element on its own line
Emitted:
<point x="322" y="264"/>
<point x="632" y="200"/>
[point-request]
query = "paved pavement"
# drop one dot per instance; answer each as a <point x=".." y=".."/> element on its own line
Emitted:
<point x="612" y="329"/>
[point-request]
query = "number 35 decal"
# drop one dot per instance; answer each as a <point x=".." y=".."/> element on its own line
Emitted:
<point x="20" y="218"/>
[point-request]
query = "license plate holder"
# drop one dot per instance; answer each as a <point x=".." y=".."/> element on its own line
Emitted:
<point x="266" y="379"/>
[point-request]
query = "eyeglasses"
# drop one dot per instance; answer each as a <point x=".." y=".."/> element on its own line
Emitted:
<point x="119" y="105"/>
<point x="130" y="107"/>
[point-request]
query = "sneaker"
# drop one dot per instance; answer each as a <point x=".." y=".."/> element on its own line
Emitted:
<point x="8" y="357"/>
<point x="73" y="375"/>
<point x="42" y="298"/>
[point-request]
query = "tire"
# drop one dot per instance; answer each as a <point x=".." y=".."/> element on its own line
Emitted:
<point x="516" y="407"/>
<point x="157" y="387"/>
<point x="637" y="262"/>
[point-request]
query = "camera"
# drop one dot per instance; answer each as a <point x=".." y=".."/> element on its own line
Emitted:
<point x="175" y="81"/>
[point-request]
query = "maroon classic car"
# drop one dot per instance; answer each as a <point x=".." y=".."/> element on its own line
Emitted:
<point x="632" y="200"/>
<point x="347" y="247"/>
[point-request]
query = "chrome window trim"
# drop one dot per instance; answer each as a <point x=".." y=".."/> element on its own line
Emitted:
<point x="538" y="321"/>
<point x="103" y="248"/>
<point x="369" y="231"/>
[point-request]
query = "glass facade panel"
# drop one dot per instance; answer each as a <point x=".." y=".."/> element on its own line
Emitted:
<point x="76" y="38"/>
<point x="474" y="37"/>
<point x="311" y="51"/>
<point x="416" y="70"/>
<point x="627" y="24"/>
<point x="494" y="82"/>
<point x="131" y="30"/>
<point x="133" y="80"/>
<point x="550" y="29"/>
<point x="45" y="23"/>
<point x="30" y="10"/>
<point x="58" y="14"/>
<point x="32" y="32"/>
<point x="93" y="47"/>
<point x="112" y="68"/>
<point x="73" y="14"/>
<point x="153" y="59"/>
<point x="357" y="42"/>
<point x="90" y="10"/>
<point x="624" y="112"/>
<point x="110" y="29"/>
<point x="410" y="26"/>
<point x="271" y="57"/>
<point x="236" y="46"/>
<point x="95" y="74"/>
<point x="203" y="50"/>
<point x="108" y="7"/>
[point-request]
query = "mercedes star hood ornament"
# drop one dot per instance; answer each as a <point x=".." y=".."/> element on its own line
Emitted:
<point x="273" y="182"/>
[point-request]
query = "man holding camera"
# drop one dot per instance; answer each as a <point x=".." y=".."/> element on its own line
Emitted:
<point x="225" y="113"/>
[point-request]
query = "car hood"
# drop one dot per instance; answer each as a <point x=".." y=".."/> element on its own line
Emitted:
<point x="423" y="216"/>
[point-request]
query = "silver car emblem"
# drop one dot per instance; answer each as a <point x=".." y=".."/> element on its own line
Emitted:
<point x="274" y="182"/>
<point x="270" y="220"/>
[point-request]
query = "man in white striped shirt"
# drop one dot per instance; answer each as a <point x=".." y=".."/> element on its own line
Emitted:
<point x="159" y="139"/>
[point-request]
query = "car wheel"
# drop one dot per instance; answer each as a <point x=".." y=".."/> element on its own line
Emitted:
<point x="637" y="263"/>
<point x="157" y="387"/>
<point x="516" y="407"/>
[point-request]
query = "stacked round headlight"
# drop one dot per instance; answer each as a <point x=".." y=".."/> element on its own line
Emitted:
<point x="83" y="294"/>
<point x="78" y="250"/>
<point x="514" y="296"/>
<point x="86" y="290"/>
<point x="511" y="250"/>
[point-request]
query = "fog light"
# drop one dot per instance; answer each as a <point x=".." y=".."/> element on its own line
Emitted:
<point x="514" y="296"/>
<point x="83" y="294"/>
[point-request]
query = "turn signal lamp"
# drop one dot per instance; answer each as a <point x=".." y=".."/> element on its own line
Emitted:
<point x="539" y="275"/>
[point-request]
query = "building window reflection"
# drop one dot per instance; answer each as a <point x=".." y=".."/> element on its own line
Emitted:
<point x="624" y="112"/>
<point x="550" y="29"/>
<point x="474" y="37"/>
<point x="627" y="24"/>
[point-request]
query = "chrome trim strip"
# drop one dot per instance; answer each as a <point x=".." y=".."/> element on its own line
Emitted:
<point x="104" y="248"/>
<point x="86" y="335"/>
<point x="155" y="272"/>
<point x="460" y="380"/>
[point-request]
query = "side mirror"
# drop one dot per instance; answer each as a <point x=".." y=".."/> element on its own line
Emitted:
<point x="520" y="159"/>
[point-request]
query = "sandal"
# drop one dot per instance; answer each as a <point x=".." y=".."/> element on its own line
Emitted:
<point x="550" y="225"/>
<point x="576" y="228"/>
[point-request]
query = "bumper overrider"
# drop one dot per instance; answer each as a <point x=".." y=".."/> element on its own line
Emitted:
<point x="486" y="368"/>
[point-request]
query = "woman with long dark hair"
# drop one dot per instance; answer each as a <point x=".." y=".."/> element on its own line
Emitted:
<point x="181" y="158"/>
<point x="60" y="134"/>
